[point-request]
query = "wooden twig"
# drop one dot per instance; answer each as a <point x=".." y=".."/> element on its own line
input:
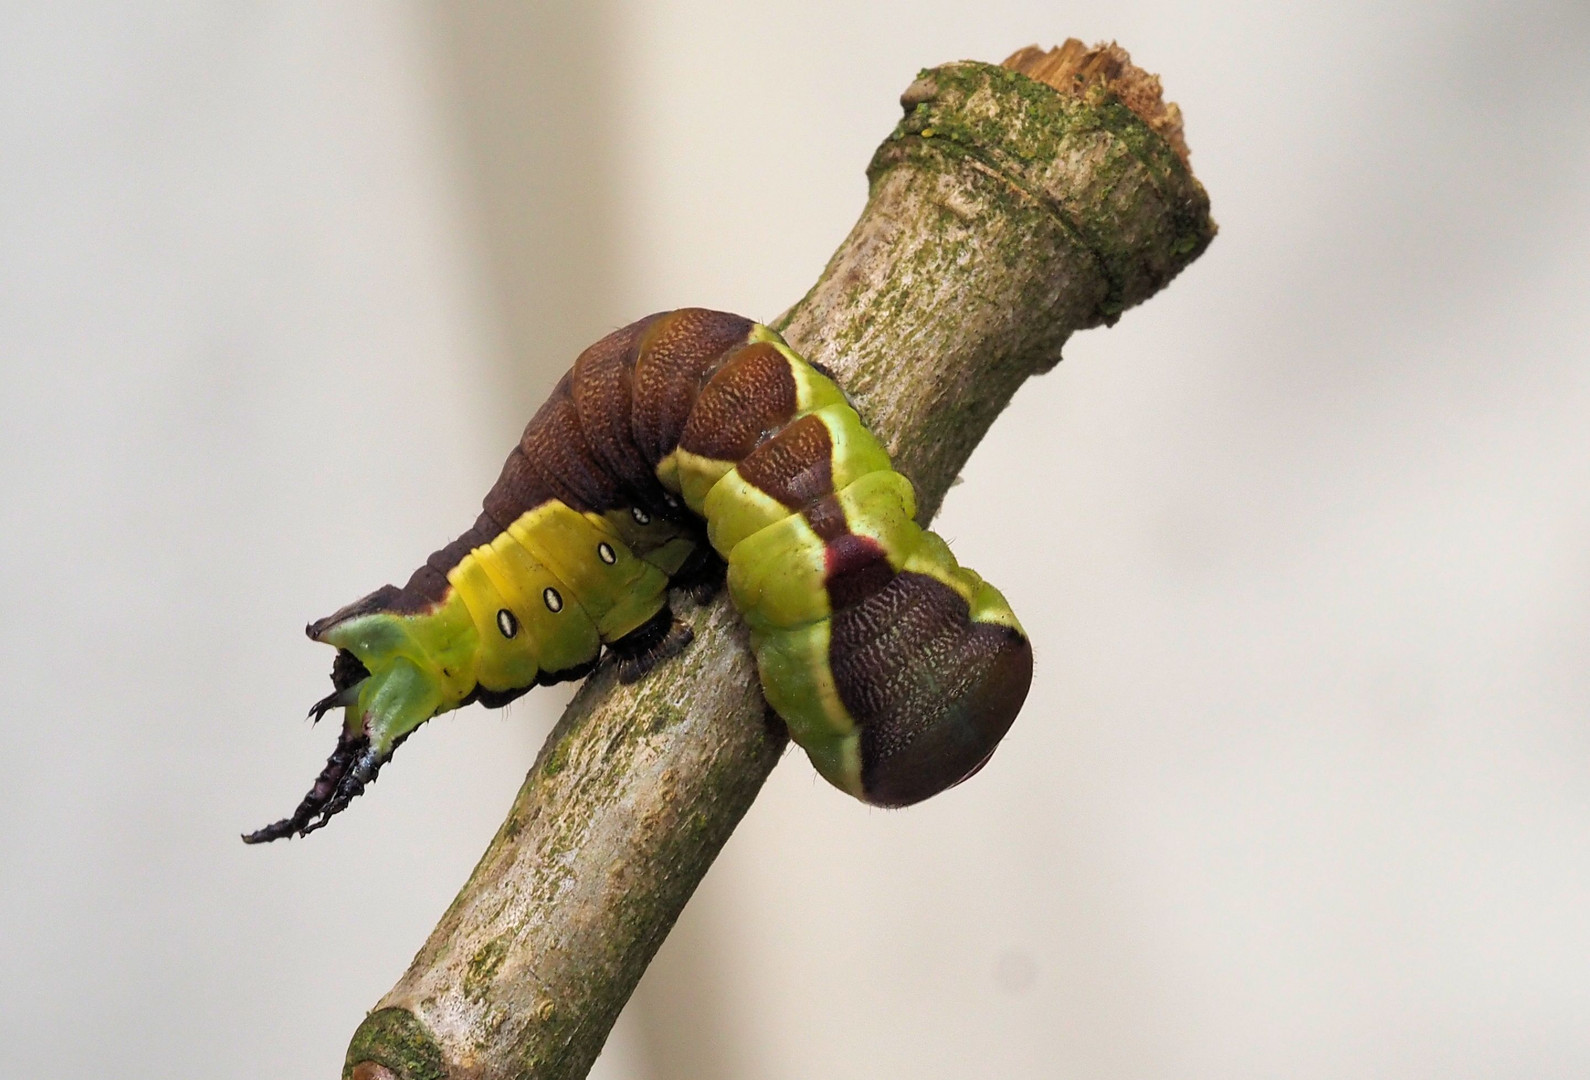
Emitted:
<point x="1005" y="213"/>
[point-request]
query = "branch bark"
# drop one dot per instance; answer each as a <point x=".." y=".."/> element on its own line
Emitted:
<point x="1006" y="211"/>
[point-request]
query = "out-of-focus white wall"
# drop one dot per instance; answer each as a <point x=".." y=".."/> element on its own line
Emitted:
<point x="1302" y="787"/>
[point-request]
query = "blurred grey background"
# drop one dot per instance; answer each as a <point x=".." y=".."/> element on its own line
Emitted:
<point x="1303" y="786"/>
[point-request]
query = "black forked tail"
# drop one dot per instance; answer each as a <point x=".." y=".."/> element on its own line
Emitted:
<point x="352" y="765"/>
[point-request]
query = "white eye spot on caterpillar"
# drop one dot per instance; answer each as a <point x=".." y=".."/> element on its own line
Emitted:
<point x="672" y="502"/>
<point x="640" y="516"/>
<point x="507" y="623"/>
<point x="553" y="601"/>
<point x="606" y="554"/>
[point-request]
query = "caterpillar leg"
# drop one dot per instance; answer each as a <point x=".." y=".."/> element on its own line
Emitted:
<point x="702" y="575"/>
<point x="660" y="638"/>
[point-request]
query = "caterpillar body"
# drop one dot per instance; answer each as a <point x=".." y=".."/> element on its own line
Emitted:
<point x="687" y="438"/>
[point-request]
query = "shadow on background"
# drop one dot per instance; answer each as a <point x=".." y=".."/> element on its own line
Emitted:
<point x="529" y="101"/>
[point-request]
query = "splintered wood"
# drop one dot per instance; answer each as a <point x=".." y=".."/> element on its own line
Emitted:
<point x="1073" y="68"/>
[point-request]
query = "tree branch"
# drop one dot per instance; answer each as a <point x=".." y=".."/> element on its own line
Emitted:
<point x="1005" y="212"/>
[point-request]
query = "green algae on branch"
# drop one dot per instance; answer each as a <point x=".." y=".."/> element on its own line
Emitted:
<point x="483" y="966"/>
<point x="1032" y="137"/>
<point x="1005" y="212"/>
<point x="397" y="1041"/>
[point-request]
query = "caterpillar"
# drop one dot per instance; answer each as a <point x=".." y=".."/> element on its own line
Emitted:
<point x="688" y="449"/>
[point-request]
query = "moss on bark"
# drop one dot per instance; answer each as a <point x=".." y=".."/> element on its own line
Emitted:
<point x="395" y="1040"/>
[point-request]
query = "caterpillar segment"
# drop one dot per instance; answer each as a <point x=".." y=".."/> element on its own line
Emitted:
<point x="688" y="448"/>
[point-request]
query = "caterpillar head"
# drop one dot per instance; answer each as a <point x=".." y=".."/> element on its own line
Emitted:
<point x="933" y="681"/>
<point x="390" y="675"/>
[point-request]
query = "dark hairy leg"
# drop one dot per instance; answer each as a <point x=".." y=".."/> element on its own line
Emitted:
<point x="702" y="575"/>
<point x="659" y="638"/>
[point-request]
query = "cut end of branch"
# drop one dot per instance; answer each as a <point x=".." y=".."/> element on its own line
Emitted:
<point x="392" y="1044"/>
<point x="1073" y="68"/>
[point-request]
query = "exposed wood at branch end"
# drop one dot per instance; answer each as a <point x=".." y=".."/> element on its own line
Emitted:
<point x="1073" y="67"/>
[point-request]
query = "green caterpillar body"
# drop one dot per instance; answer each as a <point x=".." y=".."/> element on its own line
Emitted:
<point x="681" y="439"/>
